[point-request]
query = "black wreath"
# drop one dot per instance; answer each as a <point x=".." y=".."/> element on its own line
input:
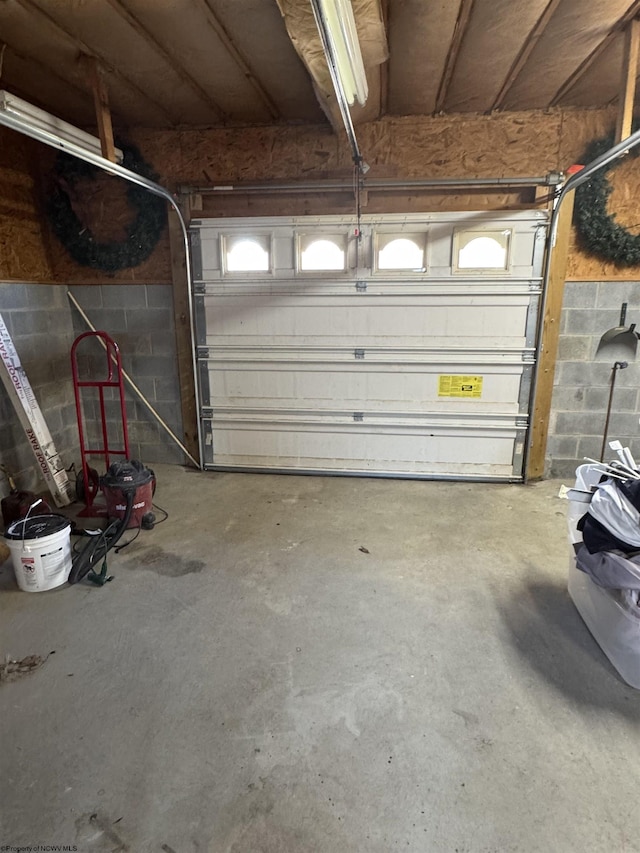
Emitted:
<point x="598" y="232"/>
<point x="142" y="234"/>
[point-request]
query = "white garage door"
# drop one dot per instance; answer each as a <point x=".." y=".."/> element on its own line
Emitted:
<point x="404" y="350"/>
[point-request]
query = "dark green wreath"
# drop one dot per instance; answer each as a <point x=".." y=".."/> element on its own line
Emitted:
<point x="142" y="234"/>
<point x="598" y="232"/>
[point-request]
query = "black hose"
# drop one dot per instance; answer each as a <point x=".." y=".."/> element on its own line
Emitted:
<point x="98" y="546"/>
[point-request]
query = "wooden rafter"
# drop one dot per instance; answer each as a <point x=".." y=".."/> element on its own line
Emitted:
<point x="525" y="52"/>
<point x="41" y="16"/>
<point x="384" y="66"/>
<point x="168" y="57"/>
<point x="464" y="14"/>
<point x="595" y="54"/>
<point x="628" y="80"/>
<point x="218" y="27"/>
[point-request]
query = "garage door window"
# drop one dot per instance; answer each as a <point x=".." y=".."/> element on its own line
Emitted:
<point x="481" y="250"/>
<point x="400" y="253"/>
<point x="321" y="254"/>
<point x="246" y="254"/>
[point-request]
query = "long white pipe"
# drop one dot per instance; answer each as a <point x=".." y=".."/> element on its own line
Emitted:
<point x="22" y="125"/>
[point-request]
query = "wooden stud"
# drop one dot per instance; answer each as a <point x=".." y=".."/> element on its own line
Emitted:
<point x="628" y="80"/>
<point x="543" y="197"/>
<point x="101" y="104"/>
<point x="182" y="316"/>
<point x="549" y="345"/>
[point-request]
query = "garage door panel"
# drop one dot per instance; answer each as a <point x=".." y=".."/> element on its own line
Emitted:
<point x="358" y="388"/>
<point x="361" y="319"/>
<point x="418" y="372"/>
<point x="388" y="450"/>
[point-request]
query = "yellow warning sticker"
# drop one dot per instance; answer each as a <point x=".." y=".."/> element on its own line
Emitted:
<point x="460" y="386"/>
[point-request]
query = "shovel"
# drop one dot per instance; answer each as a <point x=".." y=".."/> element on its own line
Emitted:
<point x="618" y="365"/>
<point x="621" y="335"/>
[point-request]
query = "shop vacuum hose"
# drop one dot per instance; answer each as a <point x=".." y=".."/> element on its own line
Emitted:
<point x="99" y="545"/>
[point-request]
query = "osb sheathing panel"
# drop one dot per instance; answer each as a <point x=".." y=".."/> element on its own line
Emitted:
<point x="502" y="145"/>
<point x="22" y="249"/>
<point x="625" y="181"/>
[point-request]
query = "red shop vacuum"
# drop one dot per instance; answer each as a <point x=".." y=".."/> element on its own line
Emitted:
<point x="125" y="482"/>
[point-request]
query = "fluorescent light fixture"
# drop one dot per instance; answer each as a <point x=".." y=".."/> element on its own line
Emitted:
<point x="336" y="17"/>
<point x="34" y="122"/>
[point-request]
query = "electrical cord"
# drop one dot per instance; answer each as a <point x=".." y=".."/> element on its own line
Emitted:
<point x="165" y="513"/>
<point x="133" y="539"/>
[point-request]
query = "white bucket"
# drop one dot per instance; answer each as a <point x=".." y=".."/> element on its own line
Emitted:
<point x="41" y="551"/>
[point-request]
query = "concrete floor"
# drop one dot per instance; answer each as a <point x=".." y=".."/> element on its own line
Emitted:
<point x="254" y="681"/>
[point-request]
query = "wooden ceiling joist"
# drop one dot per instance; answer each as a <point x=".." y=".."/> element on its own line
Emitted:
<point x="525" y="52"/>
<point x="219" y="29"/>
<point x="384" y="66"/>
<point x="41" y="16"/>
<point x="171" y="60"/>
<point x="464" y="14"/>
<point x="584" y="66"/>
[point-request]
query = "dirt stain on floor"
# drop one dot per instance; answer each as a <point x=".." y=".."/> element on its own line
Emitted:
<point x="169" y="565"/>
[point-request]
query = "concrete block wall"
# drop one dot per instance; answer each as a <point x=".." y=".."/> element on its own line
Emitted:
<point x="582" y="378"/>
<point x="39" y="322"/>
<point x="140" y="320"/>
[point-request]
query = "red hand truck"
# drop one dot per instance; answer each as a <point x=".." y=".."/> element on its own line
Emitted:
<point x="88" y="482"/>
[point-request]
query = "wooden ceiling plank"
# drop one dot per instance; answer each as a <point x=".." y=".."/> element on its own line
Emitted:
<point x="628" y="80"/>
<point x="219" y="29"/>
<point x="525" y="52"/>
<point x="40" y="15"/>
<point x="101" y="105"/>
<point x="454" y="49"/>
<point x="570" y="82"/>
<point x="171" y="60"/>
<point x="46" y="69"/>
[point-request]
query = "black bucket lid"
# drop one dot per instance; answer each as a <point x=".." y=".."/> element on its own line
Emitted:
<point x="127" y="474"/>
<point x="36" y="527"/>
